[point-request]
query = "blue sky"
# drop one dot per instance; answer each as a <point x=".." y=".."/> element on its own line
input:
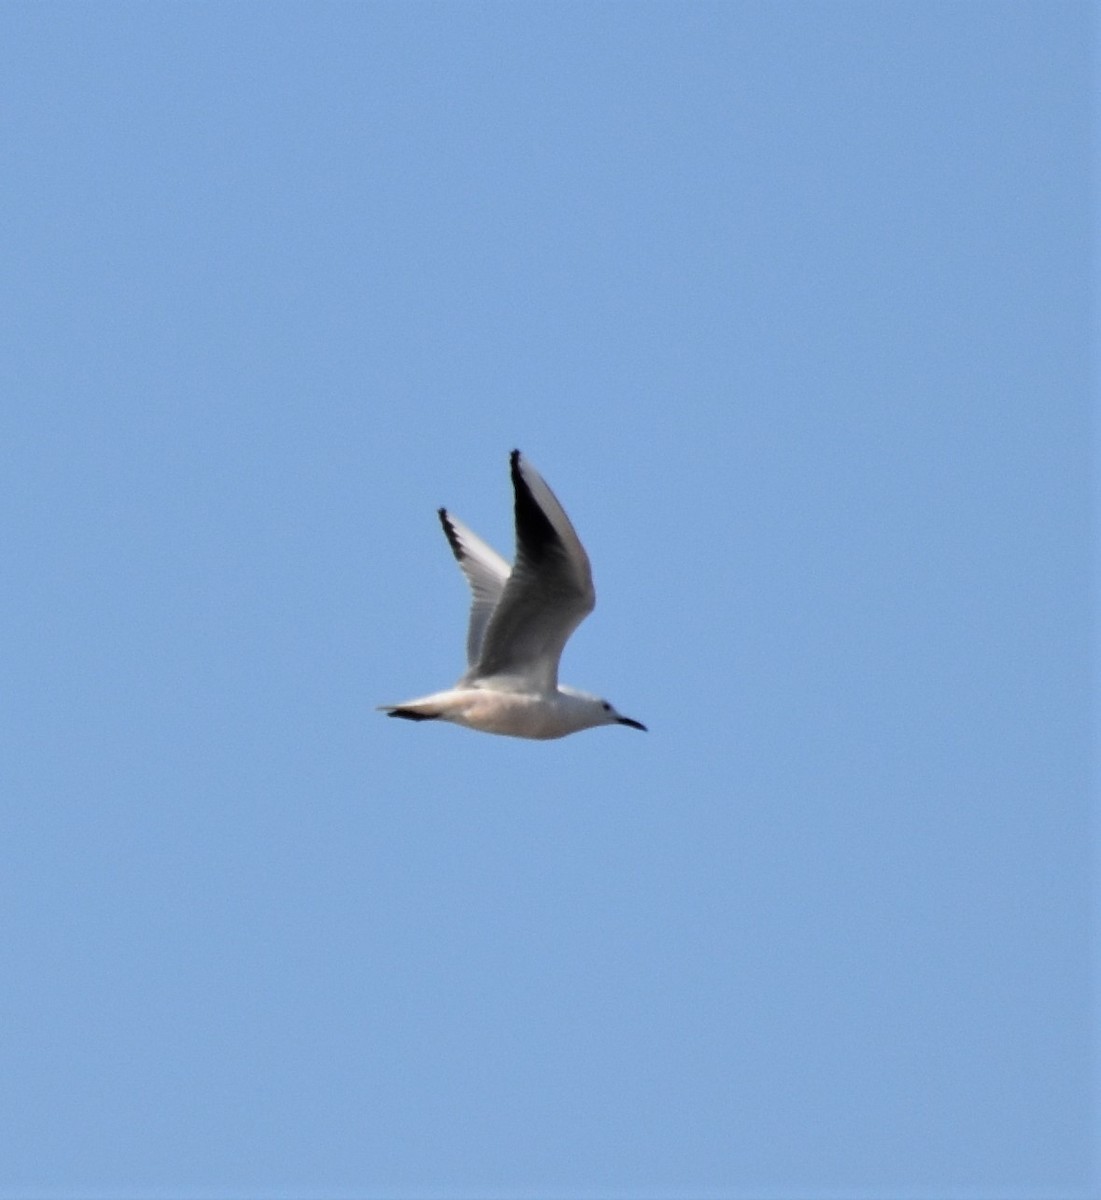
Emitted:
<point x="791" y="305"/>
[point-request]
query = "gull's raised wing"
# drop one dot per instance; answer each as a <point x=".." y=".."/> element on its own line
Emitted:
<point x="486" y="572"/>
<point x="548" y="593"/>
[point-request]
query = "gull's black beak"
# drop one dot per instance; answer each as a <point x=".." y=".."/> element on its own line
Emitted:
<point x="633" y="724"/>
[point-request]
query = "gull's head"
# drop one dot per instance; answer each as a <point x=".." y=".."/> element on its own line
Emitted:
<point x="592" y="711"/>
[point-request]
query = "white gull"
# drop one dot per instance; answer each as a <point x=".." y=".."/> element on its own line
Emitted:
<point x="520" y="620"/>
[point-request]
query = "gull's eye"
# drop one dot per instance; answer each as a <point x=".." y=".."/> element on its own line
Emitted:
<point x="607" y="706"/>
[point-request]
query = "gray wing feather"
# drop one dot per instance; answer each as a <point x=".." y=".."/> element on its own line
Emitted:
<point x="486" y="572"/>
<point x="547" y="595"/>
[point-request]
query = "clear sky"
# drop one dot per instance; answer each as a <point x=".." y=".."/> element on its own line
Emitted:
<point x="790" y="304"/>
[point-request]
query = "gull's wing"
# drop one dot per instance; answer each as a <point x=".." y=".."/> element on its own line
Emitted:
<point x="547" y="595"/>
<point x="486" y="572"/>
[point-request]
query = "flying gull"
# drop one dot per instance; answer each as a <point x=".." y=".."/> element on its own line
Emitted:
<point x="520" y="619"/>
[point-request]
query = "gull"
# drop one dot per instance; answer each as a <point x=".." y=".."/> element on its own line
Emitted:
<point x="520" y="620"/>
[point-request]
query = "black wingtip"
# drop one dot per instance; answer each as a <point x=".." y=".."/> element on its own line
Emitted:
<point x="450" y="534"/>
<point x="534" y="531"/>
<point x="407" y="714"/>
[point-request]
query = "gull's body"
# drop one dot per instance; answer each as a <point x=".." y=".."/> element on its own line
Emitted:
<point x="520" y="620"/>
